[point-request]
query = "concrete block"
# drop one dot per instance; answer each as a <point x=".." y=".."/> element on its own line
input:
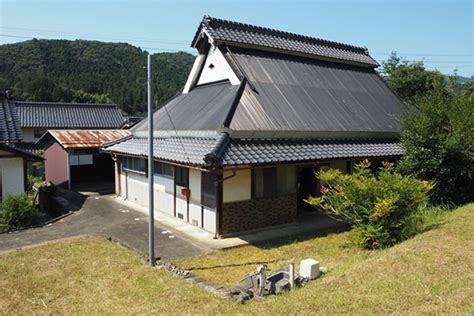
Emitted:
<point x="309" y="268"/>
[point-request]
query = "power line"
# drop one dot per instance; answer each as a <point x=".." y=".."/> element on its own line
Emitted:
<point x="102" y="36"/>
<point x="147" y="48"/>
<point x="16" y="36"/>
<point x="421" y="54"/>
<point x="453" y="62"/>
<point x="185" y="42"/>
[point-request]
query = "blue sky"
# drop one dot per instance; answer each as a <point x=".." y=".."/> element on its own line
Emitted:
<point x="438" y="32"/>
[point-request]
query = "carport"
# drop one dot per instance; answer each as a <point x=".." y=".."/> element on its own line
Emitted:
<point x="72" y="157"/>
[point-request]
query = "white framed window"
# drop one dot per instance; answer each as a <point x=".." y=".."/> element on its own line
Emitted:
<point x="81" y="160"/>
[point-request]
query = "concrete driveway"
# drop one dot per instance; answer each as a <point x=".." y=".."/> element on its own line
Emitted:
<point x="101" y="215"/>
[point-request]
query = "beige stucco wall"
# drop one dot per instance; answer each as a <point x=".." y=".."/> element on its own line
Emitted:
<point x="195" y="186"/>
<point x="237" y="188"/>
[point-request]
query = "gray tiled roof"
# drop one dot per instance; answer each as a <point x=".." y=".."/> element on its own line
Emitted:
<point x="10" y="129"/>
<point x="254" y="152"/>
<point x="272" y="151"/>
<point x="231" y="33"/>
<point x="69" y="115"/>
<point x="184" y="150"/>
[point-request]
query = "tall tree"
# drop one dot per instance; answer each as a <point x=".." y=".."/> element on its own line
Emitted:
<point x="409" y="79"/>
<point x="89" y="71"/>
<point x="438" y="136"/>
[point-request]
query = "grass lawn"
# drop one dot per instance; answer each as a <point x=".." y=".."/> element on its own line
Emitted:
<point x="432" y="273"/>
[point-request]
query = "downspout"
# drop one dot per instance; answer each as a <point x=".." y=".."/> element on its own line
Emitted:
<point x="219" y="202"/>
<point x="118" y="185"/>
<point x="68" y="171"/>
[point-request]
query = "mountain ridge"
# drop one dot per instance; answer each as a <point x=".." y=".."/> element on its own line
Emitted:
<point x="90" y="71"/>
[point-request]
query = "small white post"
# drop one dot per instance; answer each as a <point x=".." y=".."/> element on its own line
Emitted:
<point x="262" y="279"/>
<point x="291" y="269"/>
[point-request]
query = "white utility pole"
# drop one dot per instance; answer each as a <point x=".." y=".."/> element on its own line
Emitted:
<point x="151" y="227"/>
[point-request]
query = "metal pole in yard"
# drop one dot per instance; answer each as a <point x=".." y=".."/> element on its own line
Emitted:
<point x="151" y="230"/>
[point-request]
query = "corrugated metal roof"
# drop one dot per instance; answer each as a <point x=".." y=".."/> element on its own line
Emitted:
<point x="233" y="33"/>
<point x="10" y="129"/>
<point x="299" y="94"/>
<point x="84" y="139"/>
<point x="69" y="115"/>
<point x="240" y="152"/>
<point x="203" y="108"/>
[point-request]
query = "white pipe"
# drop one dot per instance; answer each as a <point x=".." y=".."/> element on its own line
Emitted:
<point x="262" y="278"/>
<point x="291" y="269"/>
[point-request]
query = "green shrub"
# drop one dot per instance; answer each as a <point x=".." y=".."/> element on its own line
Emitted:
<point x="17" y="211"/>
<point x="427" y="217"/>
<point x="381" y="207"/>
<point x="32" y="180"/>
<point x="438" y="137"/>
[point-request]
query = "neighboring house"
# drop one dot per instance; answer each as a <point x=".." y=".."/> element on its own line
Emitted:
<point x="261" y="112"/>
<point x="38" y="117"/>
<point x="132" y="120"/>
<point x="72" y="157"/>
<point x="13" y="160"/>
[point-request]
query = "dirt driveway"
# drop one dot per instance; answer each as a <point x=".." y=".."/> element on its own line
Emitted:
<point x="101" y="215"/>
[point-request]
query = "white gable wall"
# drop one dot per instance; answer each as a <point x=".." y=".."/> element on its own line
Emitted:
<point x="12" y="176"/>
<point x="221" y="69"/>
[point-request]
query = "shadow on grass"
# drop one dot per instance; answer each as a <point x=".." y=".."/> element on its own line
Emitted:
<point x="233" y="265"/>
<point x="275" y="243"/>
<point x="289" y="239"/>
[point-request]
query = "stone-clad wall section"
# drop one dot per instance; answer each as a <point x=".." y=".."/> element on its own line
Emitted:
<point x="258" y="213"/>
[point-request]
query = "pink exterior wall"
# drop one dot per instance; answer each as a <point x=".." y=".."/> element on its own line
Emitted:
<point x="56" y="164"/>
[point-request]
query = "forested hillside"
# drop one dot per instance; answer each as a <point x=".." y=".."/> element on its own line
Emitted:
<point x="89" y="71"/>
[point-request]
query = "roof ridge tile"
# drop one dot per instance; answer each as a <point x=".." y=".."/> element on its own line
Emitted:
<point x="263" y="38"/>
<point x="280" y="33"/>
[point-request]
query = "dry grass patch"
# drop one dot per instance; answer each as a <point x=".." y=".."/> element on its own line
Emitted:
<point x="91" y="275"/>
<point x="431" y="273"/>
<point x="228" y="267"/>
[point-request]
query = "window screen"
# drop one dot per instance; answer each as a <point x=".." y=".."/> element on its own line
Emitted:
<point x="208" y="189"/>
<point x="163" y="169"/>
<point x="134" y="164"/>
<point x="269" y="182"/>
<point x="182" y="176"/>
<point x="286" y="180"/>
<point x="81" y="160"/>
<point x="264" y="182"/>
